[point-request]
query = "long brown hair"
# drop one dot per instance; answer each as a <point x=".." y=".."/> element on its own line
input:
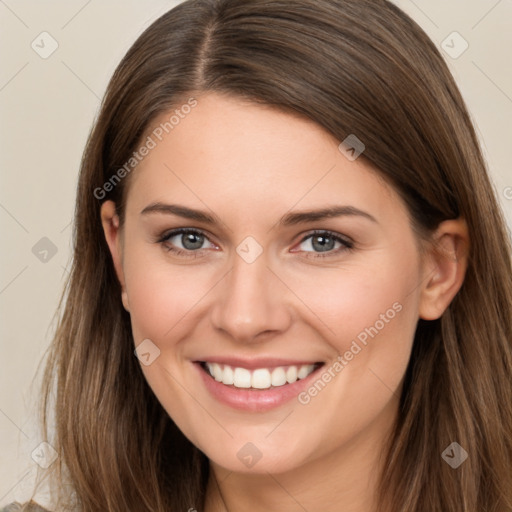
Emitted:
<point x="354" y="67"/>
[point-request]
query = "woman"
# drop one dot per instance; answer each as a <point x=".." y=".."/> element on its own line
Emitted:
<point x="292" y="282"/>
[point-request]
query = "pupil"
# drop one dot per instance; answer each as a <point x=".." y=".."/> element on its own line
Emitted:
<point x="189" y="238"/>
<point x="323" y="246"/>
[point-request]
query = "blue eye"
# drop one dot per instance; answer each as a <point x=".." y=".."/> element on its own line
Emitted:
<point x="189" y="243"/>
<point x="325" y="242"/>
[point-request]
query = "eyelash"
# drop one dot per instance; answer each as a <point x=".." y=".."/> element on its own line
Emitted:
<point x="348" y="244"/>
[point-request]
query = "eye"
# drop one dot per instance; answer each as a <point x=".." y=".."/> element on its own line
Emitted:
<point x="188" y="242"/>
<point x="325" y="242"/>
<point x="185" y="242"/>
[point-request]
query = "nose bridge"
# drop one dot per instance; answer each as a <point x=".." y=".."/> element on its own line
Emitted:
<point x="248" y="304"/>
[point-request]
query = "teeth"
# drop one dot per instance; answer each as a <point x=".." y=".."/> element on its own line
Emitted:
<point x="261" y="378"/>
<point x="304" y="371"/>
<point x="278" y="377"/>
<point x="291" y="374"/>
<point x="228" y="376"/>
<point x="242" y="378"/>
<point x="217" y="372"/>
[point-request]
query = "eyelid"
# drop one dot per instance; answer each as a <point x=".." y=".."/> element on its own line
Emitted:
<point x="166" y="235"/>
<point x="347" y="242"/>
<point x="338" y="236"/>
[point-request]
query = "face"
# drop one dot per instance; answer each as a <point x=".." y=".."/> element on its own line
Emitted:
<point x="306" y="321"/>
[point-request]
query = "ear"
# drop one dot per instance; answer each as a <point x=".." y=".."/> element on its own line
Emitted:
<point x="445" y="265"/>
<point x="110" y="222"/>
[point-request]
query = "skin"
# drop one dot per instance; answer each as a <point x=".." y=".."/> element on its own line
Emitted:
<point x="250" y="165"/>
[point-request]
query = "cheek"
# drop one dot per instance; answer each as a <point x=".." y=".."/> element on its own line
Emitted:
<point x="163" y="300"/>
<point x="347" y="303"/>
<point x="362" y="302"/>
<point x="160" y="294"/>
<point x="371" y="311"/>
<point x="366" y="312"/>
<point x="373" y="315"/>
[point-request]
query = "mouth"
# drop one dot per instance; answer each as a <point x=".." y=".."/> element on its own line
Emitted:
<point x="258" y="378"/>
<point x="256" y="386"/>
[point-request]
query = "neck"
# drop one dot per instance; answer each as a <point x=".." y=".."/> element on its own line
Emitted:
<point x="344" y="479"/>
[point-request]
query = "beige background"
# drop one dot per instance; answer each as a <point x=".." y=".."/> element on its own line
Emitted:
<point x="46" y="110"/>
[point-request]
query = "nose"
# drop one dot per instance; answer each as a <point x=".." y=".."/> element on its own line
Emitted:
<point x="253" y="303"/>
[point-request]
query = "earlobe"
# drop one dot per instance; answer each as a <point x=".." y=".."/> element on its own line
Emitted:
<point x="444" y="269"/>
<point x="112" y="231"/>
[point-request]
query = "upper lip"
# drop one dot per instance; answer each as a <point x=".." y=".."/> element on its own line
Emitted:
<point x="251" y="364"/>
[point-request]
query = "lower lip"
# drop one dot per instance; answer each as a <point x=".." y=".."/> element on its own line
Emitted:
<point x="254" y="400"/>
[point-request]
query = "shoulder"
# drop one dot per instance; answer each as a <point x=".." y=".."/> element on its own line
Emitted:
<point x="29" y="507"/>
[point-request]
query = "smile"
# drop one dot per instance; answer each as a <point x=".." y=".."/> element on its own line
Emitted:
<point x="255" y="385"/>
<point x="258" y="378"/>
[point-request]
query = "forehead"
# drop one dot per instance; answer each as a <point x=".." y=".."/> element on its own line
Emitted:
<point x="227" y="151"/>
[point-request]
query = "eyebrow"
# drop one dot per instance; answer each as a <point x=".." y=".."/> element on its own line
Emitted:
<point x="290" y="219"/>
